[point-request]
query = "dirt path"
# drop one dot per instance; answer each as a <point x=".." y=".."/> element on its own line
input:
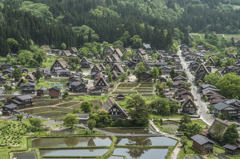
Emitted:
<point x="115" y="88"/>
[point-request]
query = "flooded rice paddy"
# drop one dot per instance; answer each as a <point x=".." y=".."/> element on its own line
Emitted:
<point x="71" y="142"/>
<point x="29" y="155"/>
<point x="129" y="131"/>
<point x="147" y="141"/>
<point x="141" y="153"/>
<point x="73" y="152"/>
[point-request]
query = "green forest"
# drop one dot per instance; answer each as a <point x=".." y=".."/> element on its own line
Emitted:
<point x="162" y="23"/>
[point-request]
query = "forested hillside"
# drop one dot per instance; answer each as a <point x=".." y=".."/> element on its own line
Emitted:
<point x="54" y="22"/>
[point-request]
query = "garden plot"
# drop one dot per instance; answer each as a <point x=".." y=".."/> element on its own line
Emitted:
<point x="96" y="102"/>
<point x="11" y="133"/>
<point x="170" y="126"/>
<point x="68" y="104"/>
<point x="125" y="92"/>
<point x="130" y="84"/>
<point x="46" y="103"/>
<point x="147" y="85"/>
<point x="46" y="109"/>
<point x="50" y="114"/>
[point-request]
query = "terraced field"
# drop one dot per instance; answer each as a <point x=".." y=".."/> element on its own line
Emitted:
<point x="134" y="88"/>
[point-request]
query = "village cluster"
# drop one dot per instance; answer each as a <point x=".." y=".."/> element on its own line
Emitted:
<point x="94" y="80"/>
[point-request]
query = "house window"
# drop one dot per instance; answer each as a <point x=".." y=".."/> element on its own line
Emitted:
<point x="232" y="112"/>
<point x="114" y="109"/>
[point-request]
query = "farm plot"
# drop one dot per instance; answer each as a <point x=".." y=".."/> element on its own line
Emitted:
<point x="147" y="85"/>
<point x="124" y="92"/>
<point x="68" y="104"/>
<point x="11" y="133"/>
<point x="96" y="102"/>
<point x="128" y="85"/>
<point x="170" y="127"/>
<point x="46" y="103"/>
<point x="36" y="111"/>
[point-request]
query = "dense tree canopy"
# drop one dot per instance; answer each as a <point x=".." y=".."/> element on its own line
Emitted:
<point x="229" y="85"/>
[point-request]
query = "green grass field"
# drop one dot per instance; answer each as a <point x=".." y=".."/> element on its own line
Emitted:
<point x="227" y="36"/>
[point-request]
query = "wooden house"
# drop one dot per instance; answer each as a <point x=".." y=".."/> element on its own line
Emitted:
<point x="108" y="61"/>
<point x="66" y="53"/>
<point x="3" y="100"/>
<point x="163" y="79"/>
<point x="115" y="58"/>
<point x="189" y="106"/>
<point x="131" y="64"/>
<point x="166" y="70"/>
<point x="74" y="79"/>
<point x="30" y="77"/>
<point x="141" y="51"/>
<point x="47" y="48"/>
<point x="210" y="62"/>
<point x="55" y="92"/>
<point x="120" y="97"/>
<point x="126" y="50"/>
<point x="9" y="109"/>
<point x="83" y="117"/>
<point x="41" y="92"/>
<point x="47" y="75"/>
<point x="56" y="51"/>
<point x="145" y="77"/>
<point x="102" y="67"/>
<point x="63" y="72"/>
<point x="218" y="121"/>
<point x="97" y="56"/>
<point x="231" y="150"/>
<point x="160" y="57"/>
<point x="109" y="50"/>
<point x="118" y="52"/>
<point x="28" y="88"/>
<point x="59" y="63"/>
<point x="184" y="95"/>
<point x="178" y="83"/>
<point x="216" y="98"/>
<point x="3" y="80"/>
<point x="228" y="69"/>
<point x="73" y="50"/>
<point x="90" y="56"/>
<point x="233" y="56"/>
<point x="101" y="84"/>
<point x="22" y="100"/>
<point x="85" y="63"/>
<point x="225" y="109"/>
<point x="8" y="72"/>
<point x="115" y="75"/>
<point x="78" y="87"/>
<point x="116" y="67"/>
<point x="96" y="69"/>
<point x="6" y="66"/>
<point x="198" y="60"/>
<point x="200" y="47"/>
<point x="114" y="109"/>
<point x="234" y="102"/>
<point x="202" y="144"/>
<point x="180" y="90"/>
<point x="138" y="58"/>
<point x="201" y="72"/>
<point x="180" y="78"/>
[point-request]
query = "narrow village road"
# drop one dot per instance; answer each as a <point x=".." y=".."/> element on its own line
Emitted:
<point x="202" y="107"/>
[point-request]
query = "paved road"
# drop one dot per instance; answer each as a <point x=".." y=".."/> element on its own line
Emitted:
<point x="207" y="118"/>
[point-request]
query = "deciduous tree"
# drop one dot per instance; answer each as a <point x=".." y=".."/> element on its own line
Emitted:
<point x="91" y="124"/>
<point x="86" y="107"/>
<point x="70" y="120"/>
